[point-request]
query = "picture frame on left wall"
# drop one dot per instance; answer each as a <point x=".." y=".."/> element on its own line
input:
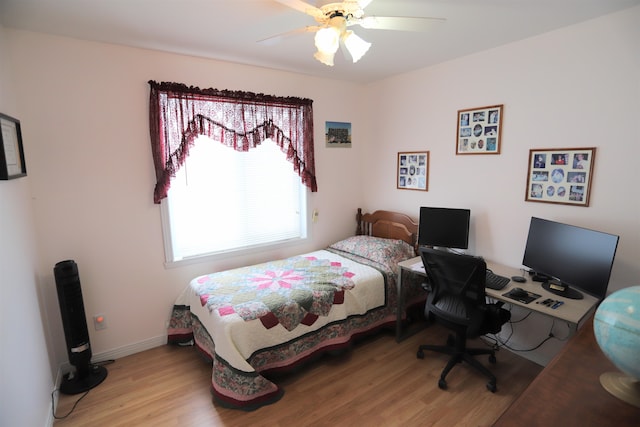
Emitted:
<point x="12" y="163"/>
<point x="413" y="171"/>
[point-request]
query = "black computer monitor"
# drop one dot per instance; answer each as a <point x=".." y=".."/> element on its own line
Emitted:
<point x="569" y="259"/>
<point x="444" y="227"/>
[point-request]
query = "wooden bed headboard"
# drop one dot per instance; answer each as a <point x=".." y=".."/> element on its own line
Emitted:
<point x="387" y="224"/>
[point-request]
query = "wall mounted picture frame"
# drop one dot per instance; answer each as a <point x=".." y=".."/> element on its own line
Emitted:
<point x="479" y="130"/>
<point x="413" y="171"/>
<point x="560" y="175"/>
<point x="12" y="163"/>
<point x="338" y="134"/>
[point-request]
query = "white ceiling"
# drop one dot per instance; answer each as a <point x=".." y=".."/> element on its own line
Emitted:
<point x="229" y="29"/>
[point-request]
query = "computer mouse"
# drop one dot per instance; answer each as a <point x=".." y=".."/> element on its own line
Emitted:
<point x="518" y="279"/>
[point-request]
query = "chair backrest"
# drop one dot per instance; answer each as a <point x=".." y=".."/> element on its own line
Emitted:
<point x="459" y="275"/>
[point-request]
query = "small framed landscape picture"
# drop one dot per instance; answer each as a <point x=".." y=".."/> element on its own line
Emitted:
<point x="338" y="134"/>
<point x="560" y="175"/>
<point x="413" y="171"/>
<point x="479" y="130"/>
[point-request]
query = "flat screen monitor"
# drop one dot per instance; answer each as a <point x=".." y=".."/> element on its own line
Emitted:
<point x="444" y="227"/>
<point x="569" y="259"/>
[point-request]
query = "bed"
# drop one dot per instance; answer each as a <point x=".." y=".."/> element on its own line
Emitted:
<point x="258" y="320"/>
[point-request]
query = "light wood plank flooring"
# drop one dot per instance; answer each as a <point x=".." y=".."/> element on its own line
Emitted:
<point x="378" y="383"/>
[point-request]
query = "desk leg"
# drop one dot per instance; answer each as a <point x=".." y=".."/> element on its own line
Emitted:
<point x="399" y="306"/>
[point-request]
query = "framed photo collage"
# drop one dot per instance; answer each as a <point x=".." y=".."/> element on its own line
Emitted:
<point x="555" y="175"/>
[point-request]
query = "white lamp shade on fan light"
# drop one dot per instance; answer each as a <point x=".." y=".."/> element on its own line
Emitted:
<point x="329" y="39"/>
<point x="324" y="57"/>
<point x="355" y="45"/>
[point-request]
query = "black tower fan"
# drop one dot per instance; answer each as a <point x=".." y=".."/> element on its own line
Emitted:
<point x="87" y="376"/>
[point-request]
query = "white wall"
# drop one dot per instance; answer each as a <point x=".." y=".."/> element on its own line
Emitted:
<point x="25" y="373"/>
<point x="575" y="87"/>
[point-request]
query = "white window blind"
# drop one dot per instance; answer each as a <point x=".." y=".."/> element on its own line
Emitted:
<point x="223" y="200"/>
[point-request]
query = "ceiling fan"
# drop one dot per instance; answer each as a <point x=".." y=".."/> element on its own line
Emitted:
<point x="333" y="20"/>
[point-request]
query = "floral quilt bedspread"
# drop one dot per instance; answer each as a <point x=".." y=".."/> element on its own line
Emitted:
<point x="288" y="292"/>
<point x="274" y="316"/>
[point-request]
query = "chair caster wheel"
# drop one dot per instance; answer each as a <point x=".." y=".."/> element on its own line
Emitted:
<point x="442" y="384"/>
<point x="492" y="359"/>
<point x="420" y="354"/>
<point x="491" y="386"/>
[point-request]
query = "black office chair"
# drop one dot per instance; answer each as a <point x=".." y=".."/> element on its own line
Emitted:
<point x="457" y="300"/>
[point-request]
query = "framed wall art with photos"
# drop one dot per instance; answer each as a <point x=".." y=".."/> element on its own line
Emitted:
<point x="479" y="130"/>
<point x="560" y="175"/>
<point x="12" y="164"/>
<point x="413" y="171"/>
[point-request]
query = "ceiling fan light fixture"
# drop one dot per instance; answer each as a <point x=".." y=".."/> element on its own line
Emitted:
<point x="327" y="40"/>
<point x="333" y="17"/>
<point x="325" y="57"/>
<point x="355" y="45"/>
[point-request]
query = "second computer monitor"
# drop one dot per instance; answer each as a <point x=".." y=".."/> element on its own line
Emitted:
<point x="444" y="227"/>
<point x="567" y="256"/>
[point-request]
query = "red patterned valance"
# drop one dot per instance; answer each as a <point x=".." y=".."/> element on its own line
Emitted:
<point x="178" y="114"/>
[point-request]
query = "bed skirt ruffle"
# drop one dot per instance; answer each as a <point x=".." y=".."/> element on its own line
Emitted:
<point x="233" y="388"/>
<point x="238" y="389"/>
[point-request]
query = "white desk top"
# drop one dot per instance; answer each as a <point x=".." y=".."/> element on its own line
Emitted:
<point x="572" y="311"/>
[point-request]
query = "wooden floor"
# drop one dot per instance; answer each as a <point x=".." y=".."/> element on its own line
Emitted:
<point x="378" y="383"/>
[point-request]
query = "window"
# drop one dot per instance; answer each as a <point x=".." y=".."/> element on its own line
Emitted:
<point x="223" y="200"/>
<point x="235" y="166"/>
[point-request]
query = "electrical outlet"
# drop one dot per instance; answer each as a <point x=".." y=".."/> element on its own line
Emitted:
<point x="99" y="322"/>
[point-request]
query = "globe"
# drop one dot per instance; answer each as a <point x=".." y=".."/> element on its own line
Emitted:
<point x="616" y="326"/>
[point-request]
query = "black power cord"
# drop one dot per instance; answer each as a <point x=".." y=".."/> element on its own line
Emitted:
<point x="53" y="394"/>
<point x="547" y="338"/>
<point x="72" y="408"/>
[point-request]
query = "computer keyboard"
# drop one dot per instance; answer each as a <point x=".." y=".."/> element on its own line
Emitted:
<point x="495" y="281"/>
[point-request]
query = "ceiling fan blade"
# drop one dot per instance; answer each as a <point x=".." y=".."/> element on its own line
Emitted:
<point x="279" y="37"/>
<point x="303" y="7"/>
<point x="399" y="23"/>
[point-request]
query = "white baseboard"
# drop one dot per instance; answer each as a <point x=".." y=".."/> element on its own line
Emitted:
<point x="130" y="349"/>
<point x="116" y="353"/>
<point x="54" y="394"/>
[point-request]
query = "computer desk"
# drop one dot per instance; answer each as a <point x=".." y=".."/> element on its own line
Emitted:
<point x="572" y="312"/>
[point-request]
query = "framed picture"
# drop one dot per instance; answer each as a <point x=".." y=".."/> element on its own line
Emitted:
<point x="338" y="134"/>
<point x="479" y="130"/>
<point x="413" y="170"/>
<point x="560" y="175"/>
<point x="12" y="163"/>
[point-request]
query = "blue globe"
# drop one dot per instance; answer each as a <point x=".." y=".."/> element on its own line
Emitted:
<point x="616" y="326"/>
